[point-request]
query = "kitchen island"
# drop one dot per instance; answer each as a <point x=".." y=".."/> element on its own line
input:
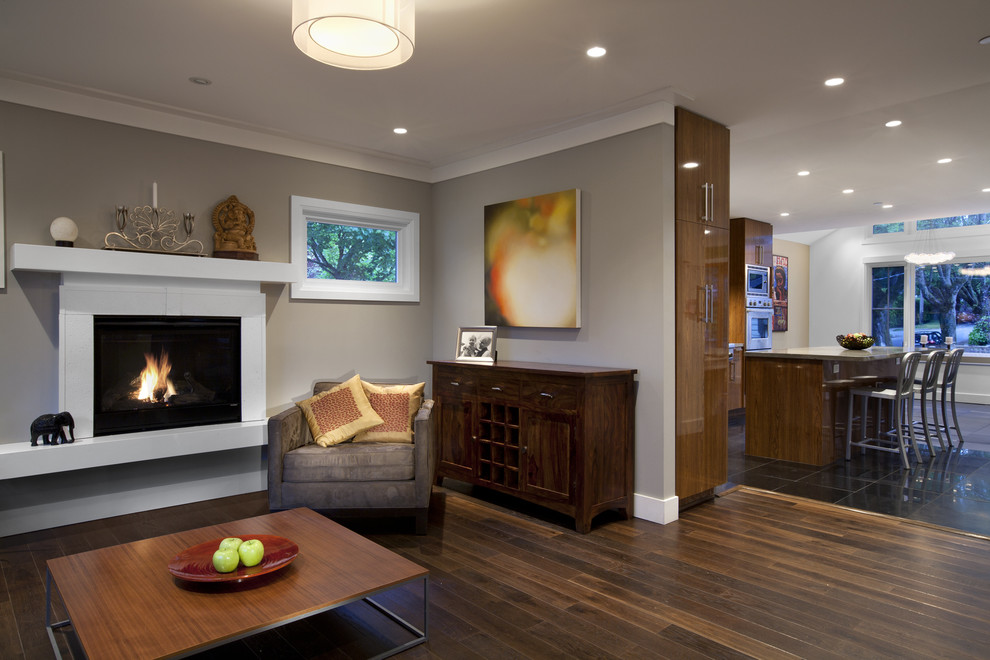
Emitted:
<point x="796" y="398"/>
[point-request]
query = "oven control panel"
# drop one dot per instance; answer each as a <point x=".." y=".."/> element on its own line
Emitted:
<point x="759" y="302"/>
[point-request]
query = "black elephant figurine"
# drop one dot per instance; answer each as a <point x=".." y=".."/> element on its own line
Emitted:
<point x="51" y="429"/>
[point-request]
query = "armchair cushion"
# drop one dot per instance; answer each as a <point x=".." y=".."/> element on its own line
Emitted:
<point x="349" y="462"/>
<point x="397" y="405"/>
<point x="340" y="413"/>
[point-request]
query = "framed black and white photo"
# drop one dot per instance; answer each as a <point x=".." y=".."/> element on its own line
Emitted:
<point x="476" y="344"/>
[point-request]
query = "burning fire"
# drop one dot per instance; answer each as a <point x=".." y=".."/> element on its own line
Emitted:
<point x="155" y="383"/>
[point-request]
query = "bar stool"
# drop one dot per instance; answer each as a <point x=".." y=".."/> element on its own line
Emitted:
<point x="833" y="388"/>
<point x="948" y="393"/>
<point x="926" y="388"/>
<point x="902" y="398"/>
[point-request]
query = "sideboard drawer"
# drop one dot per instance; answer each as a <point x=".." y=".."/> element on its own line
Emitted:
<point x="550" y="394"/>
<point x="454" y="382"/>
<point x="498" y="386"/>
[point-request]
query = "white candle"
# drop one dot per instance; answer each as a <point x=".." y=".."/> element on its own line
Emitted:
<point x="924" y="339"/>
<point x="948" y="341"/>
<point x="154" y="195"/>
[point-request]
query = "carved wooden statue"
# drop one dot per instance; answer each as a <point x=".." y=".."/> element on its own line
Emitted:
<point x="234" y="224"/>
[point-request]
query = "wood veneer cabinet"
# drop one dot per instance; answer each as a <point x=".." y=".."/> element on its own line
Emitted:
<point x="750" y="242"/>
<point x="702" y="362"/>
<point x="701" y="203"/>
<point x="557" y="435"/>
<point x="701" y="193"/>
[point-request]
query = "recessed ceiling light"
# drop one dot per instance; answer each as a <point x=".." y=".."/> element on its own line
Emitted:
<point x="834" y="82"/>
<point x="888" y="206"/>
<point x="893" y="123"/>
<point x="198" y="80"/>
<point x="985" y="40"/>
<point x="399" y="131"/>
<point x="690" y="166"/>
<point x="804" y="173"/>
<point x="943" y="161"/>
<point x="848" y="191"/>
<point x="784" y="214"/>
<point x="596" y="51"/>
<point x="985" y="190"/>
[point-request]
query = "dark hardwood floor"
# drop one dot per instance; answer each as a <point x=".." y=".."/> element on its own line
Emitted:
<point x="751" y="574"/>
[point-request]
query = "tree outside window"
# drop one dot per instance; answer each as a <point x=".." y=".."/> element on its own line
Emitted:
<point x="344" y="252"/>
<point x="888" y="305"/>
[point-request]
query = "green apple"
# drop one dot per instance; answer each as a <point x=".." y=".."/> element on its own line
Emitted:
<point x="230" y="543"/>
<point x="225" y="560"/>
<point x="251" y="552"/>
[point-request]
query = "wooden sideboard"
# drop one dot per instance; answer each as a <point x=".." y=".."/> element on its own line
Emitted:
<point x="556" y="435"/>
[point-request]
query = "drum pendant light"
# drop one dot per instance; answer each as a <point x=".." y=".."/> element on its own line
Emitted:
<point x="355" y="34"/>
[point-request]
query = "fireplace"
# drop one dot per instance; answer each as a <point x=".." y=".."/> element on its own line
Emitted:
<point x="159" y="372"/>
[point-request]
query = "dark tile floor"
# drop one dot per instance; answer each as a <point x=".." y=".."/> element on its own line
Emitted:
<point x="951" y="488"/>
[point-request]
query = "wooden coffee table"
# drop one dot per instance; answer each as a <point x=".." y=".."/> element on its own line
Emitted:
<point x="122" y="602"/>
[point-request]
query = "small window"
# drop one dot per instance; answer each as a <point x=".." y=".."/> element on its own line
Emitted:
<point x="351" y="252"/>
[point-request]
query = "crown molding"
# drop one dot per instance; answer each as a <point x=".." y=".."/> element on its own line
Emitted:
<point x="659" y="108"/>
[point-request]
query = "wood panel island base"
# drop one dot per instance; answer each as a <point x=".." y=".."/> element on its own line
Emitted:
<point x="556" y="435"/>
<point x="795" y="411"/>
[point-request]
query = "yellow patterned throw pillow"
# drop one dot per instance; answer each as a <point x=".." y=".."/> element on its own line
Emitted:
<point x="397" y="405"/>
<point x="336" y="415"/>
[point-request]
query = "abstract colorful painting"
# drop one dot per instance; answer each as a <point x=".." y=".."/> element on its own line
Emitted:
<point x="533" y="261"/>
<point x="779" y="293"/>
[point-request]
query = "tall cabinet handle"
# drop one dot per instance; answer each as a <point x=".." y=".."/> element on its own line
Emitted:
<point x="711" y="193"/>
<point x="706" y="217"/>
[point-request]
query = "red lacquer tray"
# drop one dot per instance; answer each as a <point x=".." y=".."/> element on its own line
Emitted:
<point x="196" y="563"/>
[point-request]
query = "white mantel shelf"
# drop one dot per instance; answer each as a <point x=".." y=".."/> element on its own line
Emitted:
<point x="23" y="460"/>
<point x="51" y="259"/>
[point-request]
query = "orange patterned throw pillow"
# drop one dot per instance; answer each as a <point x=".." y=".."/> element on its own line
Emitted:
<point x="336" y="415"/>
<point x="397" y="405"/>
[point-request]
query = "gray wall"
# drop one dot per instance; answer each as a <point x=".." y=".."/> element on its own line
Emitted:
<point x="626" y="185"/>
<point x="57" y="164"/>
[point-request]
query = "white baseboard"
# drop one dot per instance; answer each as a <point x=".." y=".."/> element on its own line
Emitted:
<point x="655" y="509"/>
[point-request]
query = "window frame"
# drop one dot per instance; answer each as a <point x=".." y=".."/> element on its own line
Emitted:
<point x="406" y="225"/>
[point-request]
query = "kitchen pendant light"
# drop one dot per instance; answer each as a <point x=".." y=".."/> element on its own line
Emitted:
<point x="930" y="253"/>
<point x="355" y="34"/>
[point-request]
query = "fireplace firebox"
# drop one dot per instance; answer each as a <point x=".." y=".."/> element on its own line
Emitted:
<point x="159" y="372"/>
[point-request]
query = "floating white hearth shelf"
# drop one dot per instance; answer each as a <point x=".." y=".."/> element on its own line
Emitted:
<point x="48" y="258"/>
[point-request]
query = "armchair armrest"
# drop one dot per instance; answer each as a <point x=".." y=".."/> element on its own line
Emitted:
<point x="286" y="431"/>
<point x="424" y="439"/>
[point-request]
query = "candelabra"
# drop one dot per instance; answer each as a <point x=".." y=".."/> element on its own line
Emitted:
<point x="153" y="229"/>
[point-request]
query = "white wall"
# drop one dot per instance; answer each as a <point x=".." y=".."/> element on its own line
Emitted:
<point x="798" y="256"/>
<point x="840" y="291"/>
<point x="626" y="185"/>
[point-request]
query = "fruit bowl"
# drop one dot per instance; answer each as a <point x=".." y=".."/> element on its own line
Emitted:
<point x="855" y="341"/>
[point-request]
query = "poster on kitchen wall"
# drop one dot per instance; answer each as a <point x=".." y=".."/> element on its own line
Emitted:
<point x="533" y="261"/>
<point x="779" y="293"/>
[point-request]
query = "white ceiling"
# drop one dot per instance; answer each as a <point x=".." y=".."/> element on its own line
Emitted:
<point x="494" y="74"/>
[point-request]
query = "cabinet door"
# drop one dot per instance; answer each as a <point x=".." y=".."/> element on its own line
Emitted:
<point x="456" y="422"/>
<point x="702" y="358"/>
<point x="759" y="242"/>
<point x="547" y="444"/>
<point x="701" y="193"/>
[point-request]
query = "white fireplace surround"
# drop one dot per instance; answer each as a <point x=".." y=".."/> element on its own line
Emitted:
<point x="84" y="296"/>
<point x="99" y="282"/>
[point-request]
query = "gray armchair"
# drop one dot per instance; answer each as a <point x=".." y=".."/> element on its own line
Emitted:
<point x="350" y="479"/>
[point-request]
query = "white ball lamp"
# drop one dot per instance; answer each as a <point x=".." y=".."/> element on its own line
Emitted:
<point x="64" y="231"/>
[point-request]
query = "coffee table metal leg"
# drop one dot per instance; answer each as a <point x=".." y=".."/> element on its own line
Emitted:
<point x="49" y="626"/>
<point x="421" y="635"/>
